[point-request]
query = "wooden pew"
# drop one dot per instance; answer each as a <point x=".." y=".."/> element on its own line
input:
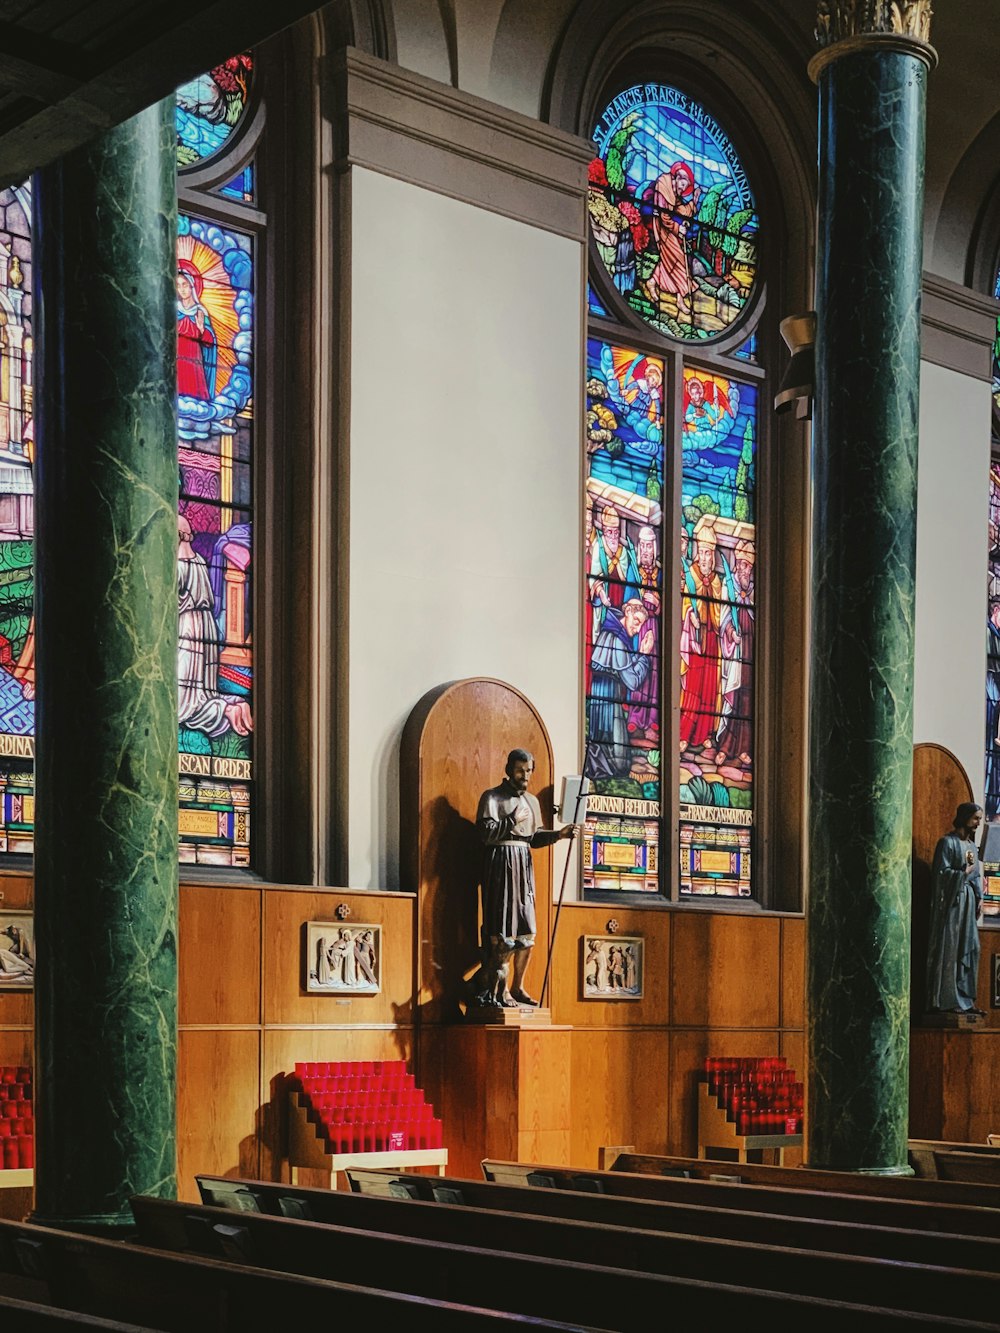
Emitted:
<point x="915" y="1214"/>
<point x="29" y="1317"/>
<point x="676" y="1275"/>
<point x="923" y="1185"/>
<point x="976" y="1165"/>
<point x="517" y="1211"/>
<point x="971" y="1168"/>
<point x="177" y="1293"/>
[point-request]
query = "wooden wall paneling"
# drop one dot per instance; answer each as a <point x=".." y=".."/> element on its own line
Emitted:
<point x="989" y="942"/>
<point x="454" y="746"/>
<point x="620" y="1086"/>
<point x="725" y="970"/>
<point x="219" y="1113"/>
<point x="16" y="1043"/>
<point x="16" y="892"/>
<point x="544" y="1098"/>
<point x="285" y="997"/>
<point x="17" y="1007"/>
<point x="970" y="1085"/>
<point x="793" y="972"/>
<point x="219" y="954"/>
<point x="926" y="1118"/>
<point x="687" y="1059"/>
<point x="283" y="1047"/>
<point x="17" y="1010"/>
<point x="578" y="920"/>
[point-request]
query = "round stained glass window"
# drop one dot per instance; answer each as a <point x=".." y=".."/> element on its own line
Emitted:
<point x="672" y="213"/>
<point x="210" y="107"/>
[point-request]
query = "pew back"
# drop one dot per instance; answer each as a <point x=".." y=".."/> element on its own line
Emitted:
<point x="915" y="1214"/>
<point x="177" y="1293"/>
<point x="498" y="1215"/>
<point x="29" y="1317"/>
<point x="676" y="1274"/>
<point x="925" y="1185"/>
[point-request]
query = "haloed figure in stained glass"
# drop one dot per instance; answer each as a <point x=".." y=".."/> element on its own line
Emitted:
<point x="201" y="705"/>
<point x="197" y="353"/>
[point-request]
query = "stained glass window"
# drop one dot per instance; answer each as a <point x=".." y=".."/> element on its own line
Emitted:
<point x="210" y="107"/>
<point x="718" y="558"/>
<point x="624" y="618"/>
<point x="996" y="349"/>
<point x="993" y="650"/>
<point x="671" y="212"/>
<point x="747" y="351"/>
<point x="241" y="187"/>
<point x="670" y="508"/>
<point x="215" y="353"/>
<point x="215" y="424"/>
<point x="17" y="526"/>
<point x="594" y="302"/>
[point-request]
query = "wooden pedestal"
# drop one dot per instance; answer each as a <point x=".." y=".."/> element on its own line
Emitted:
<point x="502" y="1092"/>
<point x="955" y="1083"/>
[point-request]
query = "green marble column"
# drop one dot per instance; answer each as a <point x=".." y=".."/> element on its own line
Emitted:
<point x="871" y="132"/>
<point x="106" y="663"/>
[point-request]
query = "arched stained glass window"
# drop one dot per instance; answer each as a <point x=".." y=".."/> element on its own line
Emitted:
<point x="215" y="277"/>
<point x="671" y="211"/>
<point x="670" y="535"/>
<point x="991" y="877"/>
<point x="215" y="426"/>
<point x="217" y="248"/>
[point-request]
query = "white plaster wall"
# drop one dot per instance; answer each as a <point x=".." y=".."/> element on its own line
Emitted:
<point x="949" y="705"/>
<point x="466" y="406"/>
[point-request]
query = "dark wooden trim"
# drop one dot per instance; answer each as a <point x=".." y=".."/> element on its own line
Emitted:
<point x="404" y="125"/>
<point x="958" y="327"/>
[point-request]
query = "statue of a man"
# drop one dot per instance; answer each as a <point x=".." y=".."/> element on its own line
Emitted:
<point x="510" y="825"/>
<point x="956" y="905"/>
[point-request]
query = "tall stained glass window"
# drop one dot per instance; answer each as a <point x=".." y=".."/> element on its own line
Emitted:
<point x="17" y="526"/>
<point x="216" y="283"/>
<point x="214" y="576"/>
<point x="215" y="280"/>
<point x="670" y="539"/>
<point x="623" y="623"/>
<point x="991" y="881"/>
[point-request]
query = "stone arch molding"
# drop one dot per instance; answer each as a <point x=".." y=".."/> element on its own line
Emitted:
<point x="967" y="229"/>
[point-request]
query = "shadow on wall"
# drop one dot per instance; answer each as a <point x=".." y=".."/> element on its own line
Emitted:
<point x="919" y="930"/>
<point x="449" y="939"/>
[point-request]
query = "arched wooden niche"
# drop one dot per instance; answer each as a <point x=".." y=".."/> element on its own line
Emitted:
<point x="940" y="785"/>
<point x="455" y="745"/>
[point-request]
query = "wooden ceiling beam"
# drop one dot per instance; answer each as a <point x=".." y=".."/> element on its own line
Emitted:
<point x="161" y="48"/>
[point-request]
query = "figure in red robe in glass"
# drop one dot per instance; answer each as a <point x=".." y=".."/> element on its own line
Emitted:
<point x="197" y="351"/>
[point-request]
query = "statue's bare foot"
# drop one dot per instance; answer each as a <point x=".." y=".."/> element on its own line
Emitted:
<point x="522" y="997"/>
<point x="508" y="1001"/>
